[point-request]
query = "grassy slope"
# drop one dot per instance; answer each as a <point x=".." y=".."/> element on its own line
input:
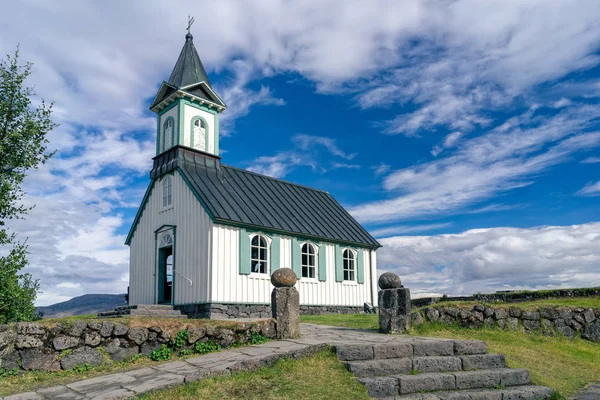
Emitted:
<point x="562" y="364"/>
<point x="321" y="376"/>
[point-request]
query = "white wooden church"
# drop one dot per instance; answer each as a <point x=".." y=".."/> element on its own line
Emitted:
<point x="207" y="236"/>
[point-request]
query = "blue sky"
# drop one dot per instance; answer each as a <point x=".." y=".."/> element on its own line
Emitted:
<point x="463" y="134"/>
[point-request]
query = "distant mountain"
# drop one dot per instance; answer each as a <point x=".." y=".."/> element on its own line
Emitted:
<point x="86" y="304"/>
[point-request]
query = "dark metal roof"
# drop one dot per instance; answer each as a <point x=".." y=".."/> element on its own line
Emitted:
<point x="188" y="69"/>
<point x="243" y="198"/>
<point x="233" y="195"/>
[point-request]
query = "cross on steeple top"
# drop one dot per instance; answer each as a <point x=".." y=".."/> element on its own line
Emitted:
<point x="190" y="23"/>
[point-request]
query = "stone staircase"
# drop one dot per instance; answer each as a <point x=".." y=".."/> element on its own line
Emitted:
<point x="144" y="310"/>
<point x="431" y="369"/>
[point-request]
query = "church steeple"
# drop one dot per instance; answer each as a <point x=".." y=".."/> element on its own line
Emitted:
<point x="187" y="107"/>
<point x="188" y="68"/>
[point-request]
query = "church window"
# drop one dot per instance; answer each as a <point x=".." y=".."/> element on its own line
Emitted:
<point x="166" y="240"/>
<point x="167" y="192"/>
<point x="259" y="262"/>
<point x="308" y="260"/>
<point x="168" y="134"/>
<point x="348" y="258"/>
<point x="199" y="134"/>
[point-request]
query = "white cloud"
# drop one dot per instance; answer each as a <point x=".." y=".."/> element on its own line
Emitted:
<point x="449" y="141"/>
<point x="402" y="229"/>
<point x="562" y="103"/>
<point x="486" y="260"/>
<point x="591" y="189"/>
<point x="381" y="169"/>
<point x="239" y="98"/>
<point x="305" y="153"/>
<point x="591" y="160"/>
<point x="496" y="208"/>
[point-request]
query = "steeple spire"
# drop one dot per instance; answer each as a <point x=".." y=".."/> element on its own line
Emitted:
<point x="188" y="68"/>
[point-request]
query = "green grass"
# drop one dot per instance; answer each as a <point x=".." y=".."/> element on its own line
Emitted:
<point x="360" y="321"/>
<point x="583" y="302"/>
<point x="320" y="376"/>
<point x="560" y="363"/>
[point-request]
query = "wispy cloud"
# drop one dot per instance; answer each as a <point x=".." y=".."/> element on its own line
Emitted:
<point x="503" y="159"/>
<point x="591" y="189"/>
<point x="496" y="208"/>
<point x="591" y="160"/>
<point x="305" y="153"/>
<point x="449" y="141"/>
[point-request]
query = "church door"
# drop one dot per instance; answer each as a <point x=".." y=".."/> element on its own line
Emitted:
<point x="165" y="275"/>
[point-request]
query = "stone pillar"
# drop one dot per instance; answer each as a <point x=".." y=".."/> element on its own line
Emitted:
<point x="285" y="303"/>
<point x="394" y="304"/>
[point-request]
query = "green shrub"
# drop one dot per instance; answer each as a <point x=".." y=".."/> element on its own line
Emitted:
<point x="257" y="338"/>
<point x="81" y="368"/>
<point x="5" y="373"/>
<point x="186" y="352"/>
<point x="162" y="354"/>
<point x="206" y="347"/>
<point x="180" y="339"/>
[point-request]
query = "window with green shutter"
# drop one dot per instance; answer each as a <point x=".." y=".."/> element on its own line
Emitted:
<point x="244" y="252"/>
<point x="360" y="267"/>
<point x="296" y="259"/>
<point x="323" y="263"/>
<point x="339" y="269"/>
<point x="275" y="253"/>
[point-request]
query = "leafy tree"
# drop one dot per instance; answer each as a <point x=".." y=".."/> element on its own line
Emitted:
<point x="23" y="142"/>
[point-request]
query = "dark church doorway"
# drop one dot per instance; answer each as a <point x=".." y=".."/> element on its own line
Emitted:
<point x="165" y="275"/>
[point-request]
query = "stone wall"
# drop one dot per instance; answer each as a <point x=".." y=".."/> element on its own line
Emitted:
<point x="228" y="311"/>
<point x="548" y="320"/>
<point x="512" y="297"/>
<point x="37" y="346"/>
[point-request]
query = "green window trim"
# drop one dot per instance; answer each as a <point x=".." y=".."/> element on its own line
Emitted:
<point x="322" y="262"/>
<point x="296" y="260"/>
<point x="162" y="230"/>
<point x="244" y="247"/>
<point x="206" y="134"/>
<point x="275" y="255"/>
<point x="339" y="266"/>
<point x="360" y="267"/>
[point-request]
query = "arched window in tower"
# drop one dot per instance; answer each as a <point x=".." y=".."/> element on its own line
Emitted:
<point x="168" y="134"/>
<point x="199" y="134"/>
<point x="167" y="192"/>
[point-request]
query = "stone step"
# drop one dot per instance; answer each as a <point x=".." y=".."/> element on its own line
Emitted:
<point x="526" y="392"/>
<point x="406" y="365"/>
<point x="424" y="348"/>
<point x="145" y="306"/>
<point x="392" y="385"/>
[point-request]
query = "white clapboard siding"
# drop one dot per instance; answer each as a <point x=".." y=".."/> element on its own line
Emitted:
<point x="192" y="247"/>
<point x="229" y="286"/>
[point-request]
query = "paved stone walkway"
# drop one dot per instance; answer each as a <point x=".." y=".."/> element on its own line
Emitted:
<point x="132" y="383"/>
<point x="590" y="392"/>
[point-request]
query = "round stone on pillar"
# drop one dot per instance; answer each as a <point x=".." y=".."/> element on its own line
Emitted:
<point x="394" y="304"/>
<point x="285" y="303"/>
